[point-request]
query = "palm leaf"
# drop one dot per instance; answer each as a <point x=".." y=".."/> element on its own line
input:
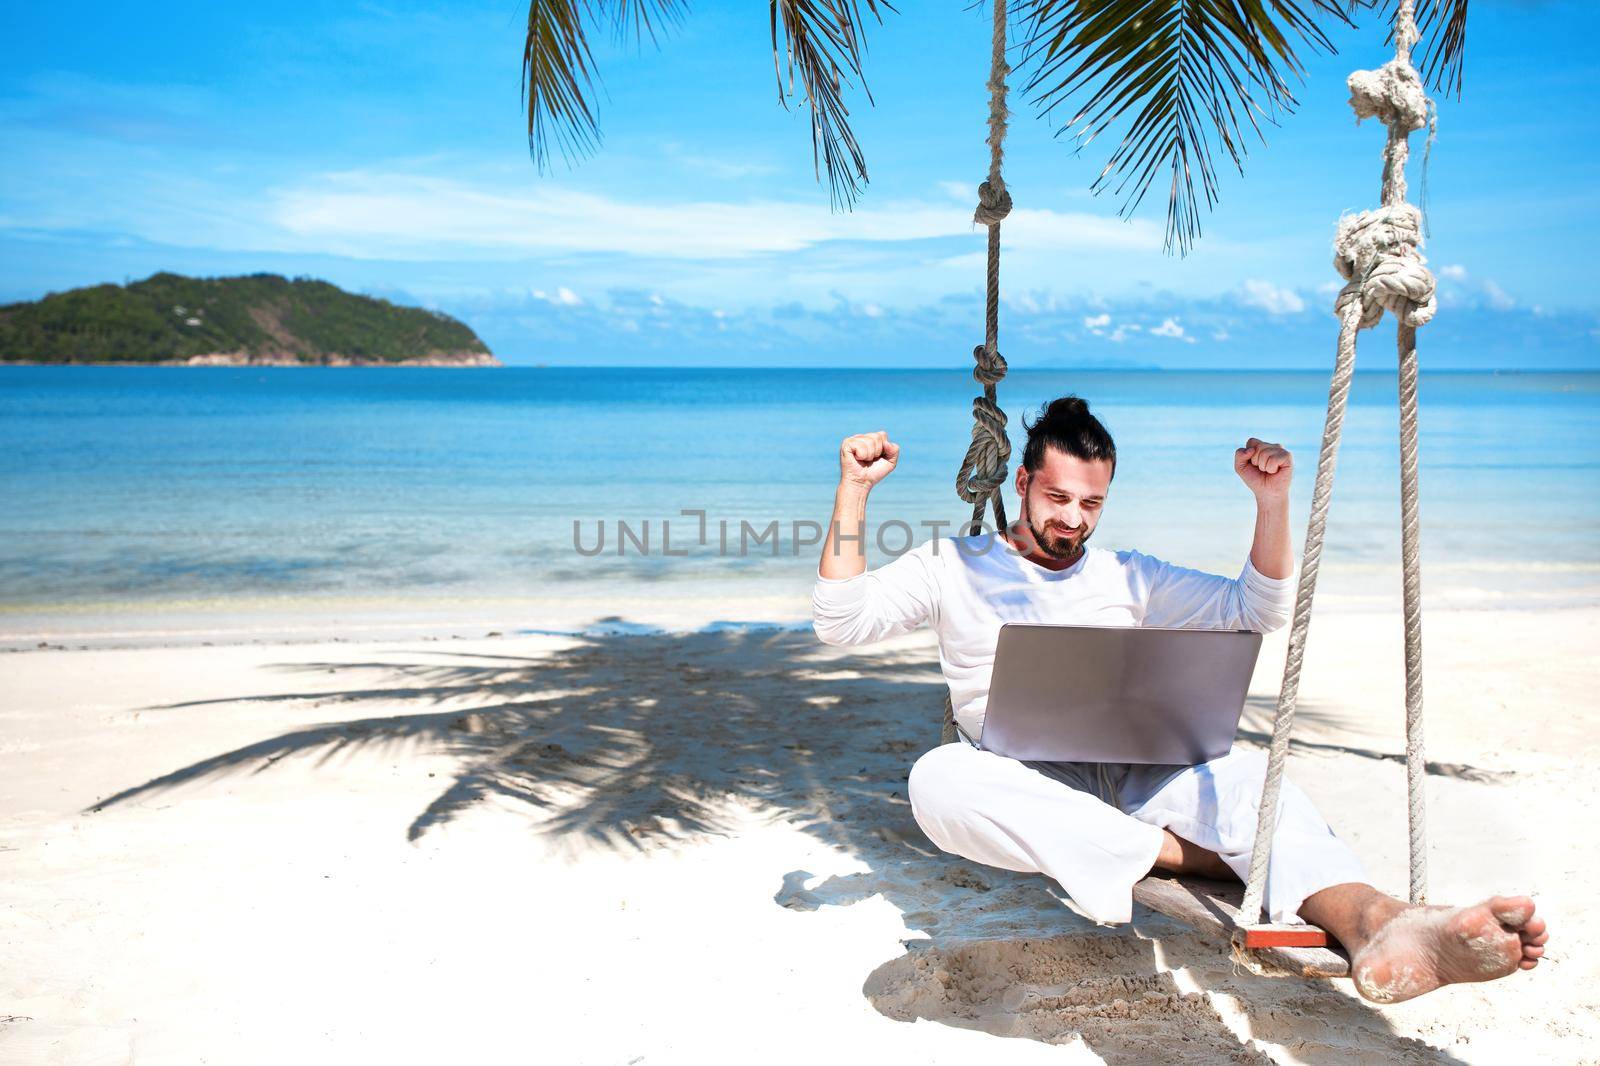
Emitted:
<point x="641" y="15"/>
<point x="1179" y="72"/>
<point x="1442" y="25"/>
<point x="558" y="67"/>
<point x="823" y="41"/>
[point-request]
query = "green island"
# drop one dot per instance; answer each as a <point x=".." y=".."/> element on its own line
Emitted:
<point x="253" y="320"/>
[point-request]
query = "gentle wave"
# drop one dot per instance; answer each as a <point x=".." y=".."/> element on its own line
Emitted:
<point x="146" y="490"/>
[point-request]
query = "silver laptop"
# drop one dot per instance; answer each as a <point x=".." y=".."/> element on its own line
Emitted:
<point x="1121" y="694"/>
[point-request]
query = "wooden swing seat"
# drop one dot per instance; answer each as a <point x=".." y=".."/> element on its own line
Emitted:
<point x="1211" y="909"/>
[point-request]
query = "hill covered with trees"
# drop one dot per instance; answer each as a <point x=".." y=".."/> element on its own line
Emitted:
<point x="257" y="319"/>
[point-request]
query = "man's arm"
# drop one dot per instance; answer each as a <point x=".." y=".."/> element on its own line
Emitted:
<point x="1266" y="470"/>
<point x="864" y="460"/>
<point x="848" y="604"/>
<point x="1262" y="596"/>
<point x="849" y="518"/>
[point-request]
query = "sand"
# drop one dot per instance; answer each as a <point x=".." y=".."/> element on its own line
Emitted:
<point x="697" y="848"/>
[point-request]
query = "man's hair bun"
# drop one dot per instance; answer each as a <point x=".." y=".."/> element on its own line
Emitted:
<point x="1066" y="425"/>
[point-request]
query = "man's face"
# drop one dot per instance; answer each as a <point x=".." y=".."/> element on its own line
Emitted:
<point x="1061" y="501"/>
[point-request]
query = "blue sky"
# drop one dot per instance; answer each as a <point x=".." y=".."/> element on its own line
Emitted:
<point x="382" y="146"/>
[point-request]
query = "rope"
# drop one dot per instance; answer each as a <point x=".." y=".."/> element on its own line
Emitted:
<point x="1417" y="283"/>
<point x="1376" y="252"/>
<point x="983" y="468"/>
<point x="1410" y="549"/>
<point x="1351" y="320"/>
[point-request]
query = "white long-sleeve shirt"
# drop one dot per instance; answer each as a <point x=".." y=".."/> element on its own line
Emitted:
<point x="967" y="587"/>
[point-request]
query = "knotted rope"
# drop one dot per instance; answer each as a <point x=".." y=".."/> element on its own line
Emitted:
<point x="1376" y="252"/>
<point x="983" y="469"/>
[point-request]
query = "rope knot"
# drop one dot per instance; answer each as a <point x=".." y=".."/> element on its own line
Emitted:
<point x="1392" y="94"/>
<point x="992" y="207"/>
<point x="989" y="366"/>
<point x="983" y="470"/>
<point x="1376" y="252"/>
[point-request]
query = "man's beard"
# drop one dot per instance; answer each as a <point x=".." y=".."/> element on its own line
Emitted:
<point x="1056" y="545"/>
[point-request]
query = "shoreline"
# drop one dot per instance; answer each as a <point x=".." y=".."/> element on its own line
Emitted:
<point x="1318" y="372"/>
<point x="568" y="618"/>
<point x="227" y="359"/>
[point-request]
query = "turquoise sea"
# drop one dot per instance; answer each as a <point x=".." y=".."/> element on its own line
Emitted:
<point x="136" y="496"/>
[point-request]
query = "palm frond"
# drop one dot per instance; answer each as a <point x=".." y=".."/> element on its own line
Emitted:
<point x="641" y="16"/>
<point x="823" y="41"/>
<point x="1442" y="25"/>
<point x="1184" y="70"/>
<point x="558" y="66"/>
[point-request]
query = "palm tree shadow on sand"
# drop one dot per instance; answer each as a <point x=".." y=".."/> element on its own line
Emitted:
<point x="631" y="743"/>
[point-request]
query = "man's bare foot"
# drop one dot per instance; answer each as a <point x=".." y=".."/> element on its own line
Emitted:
<point x="1419" y="949"/>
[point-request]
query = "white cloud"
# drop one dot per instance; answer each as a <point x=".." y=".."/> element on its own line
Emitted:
<point x="1454" y="271"/>
<point x="529" y="328"/>
<point x="370" y="214"/>
<point x="1268" y="297"/>
<point x="1168" y="328"/>
<point x="725" y="169"/>
<point x="1037" y="302"/>
<point x="1049" y="231"/>
<point x="1100" y="321"/>
<point x="1498" y="298"/>
<point x="563" y="297"/>
<point x="400" y="215"/>
<point x="970" y="262"/>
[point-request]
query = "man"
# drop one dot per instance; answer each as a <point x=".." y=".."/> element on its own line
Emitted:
<point x="1099" y="828"/>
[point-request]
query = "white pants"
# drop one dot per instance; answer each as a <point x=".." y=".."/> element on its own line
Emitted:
<point x="1096" y="827"/>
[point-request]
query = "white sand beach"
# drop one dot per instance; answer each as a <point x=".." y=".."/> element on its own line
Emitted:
<point x="697" y="848"/>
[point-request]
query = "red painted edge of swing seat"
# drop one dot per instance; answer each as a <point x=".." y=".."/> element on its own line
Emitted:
<point x="1284" y="936"/>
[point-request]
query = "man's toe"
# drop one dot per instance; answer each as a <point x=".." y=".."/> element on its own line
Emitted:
<point x="1514" y="911"/>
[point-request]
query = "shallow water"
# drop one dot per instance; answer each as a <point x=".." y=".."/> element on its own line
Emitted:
<point x="140" y="490"/>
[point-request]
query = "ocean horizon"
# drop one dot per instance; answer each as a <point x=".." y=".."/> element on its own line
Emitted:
<point x="151" y="499"/>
